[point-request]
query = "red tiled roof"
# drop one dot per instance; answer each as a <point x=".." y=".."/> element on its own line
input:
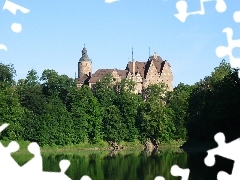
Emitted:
<point x="99" y="74"/>
<point x="138" y="66"/>
<point x="122" y="73"/>
<point x="94" y="79"/>
<point x="158" y="63"/>
<point x="143" y="67"/>
<point x="102" y="72"/>
<point x="83" y="79"/>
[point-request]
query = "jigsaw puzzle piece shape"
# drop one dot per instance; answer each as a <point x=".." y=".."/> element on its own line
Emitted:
<point x="223" y="176"/>
<point x="234" y="176"/>
<point x="3" y="126"/>
<point x="7" y="163"/>
<point x="236" y="16"/>
<point x="85" y="178"/>
<point x="210" y="159"/>
<point x="177" y="171"/>
<point x="64" y="164"/>
<point x="181" y="7"/>
<point x="222" y="51"/>
<point x="221" y="6"/>
<point x="3" y="47"/>
<point x="35" y="165"/>
<point x="227" y="150"/>
<point x="13" y="8"/>
<point x="159" y="178"/>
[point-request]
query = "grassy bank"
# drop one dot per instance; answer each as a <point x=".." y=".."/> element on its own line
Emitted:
<point x="100" y="146"/>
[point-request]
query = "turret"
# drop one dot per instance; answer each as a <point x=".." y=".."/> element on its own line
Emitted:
<point x="84" y="64"/>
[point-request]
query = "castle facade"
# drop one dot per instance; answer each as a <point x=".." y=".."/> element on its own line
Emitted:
<point x="153" y="71"/>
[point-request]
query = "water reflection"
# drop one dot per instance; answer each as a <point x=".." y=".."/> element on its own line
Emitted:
<point x="133" y="165"/>
<point x="123" y="165"/>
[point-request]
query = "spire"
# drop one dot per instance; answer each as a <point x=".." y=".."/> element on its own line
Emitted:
<point x="133" y="62"/>
<point x="84" y="55"/>
<point x="155" y="55"/>
<point x="132" y="53"/>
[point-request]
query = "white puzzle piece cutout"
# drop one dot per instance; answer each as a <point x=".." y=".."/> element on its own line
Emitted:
<point x="177" y="171"/>
<point x="34" y="165"/>
<point x="228" y="150"/>
<point x="13" y="8"/>
<point x="33" y="169"/>
<point x="3" y="47"/>
<point x="111" y="1"/>
<point x="236" y="16"/>
<point x="222" y="51"/>
<point x="182" y="7"/>
<point x="159" y="178"/>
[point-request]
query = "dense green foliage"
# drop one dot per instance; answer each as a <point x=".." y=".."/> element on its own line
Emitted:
<point x="51" y="110"/>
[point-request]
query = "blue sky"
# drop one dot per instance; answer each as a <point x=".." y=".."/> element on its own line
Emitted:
<point x="54" y="32"/>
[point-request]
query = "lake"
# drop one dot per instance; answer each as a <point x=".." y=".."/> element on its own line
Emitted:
<point x="131" y="165"/>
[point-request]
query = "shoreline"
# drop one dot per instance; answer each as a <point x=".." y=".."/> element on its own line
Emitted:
<point x="127" y="146"/>
<point x="188" y="147"/>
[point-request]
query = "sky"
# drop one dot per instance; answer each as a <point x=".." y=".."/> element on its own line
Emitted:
<point x="54" y="33"/>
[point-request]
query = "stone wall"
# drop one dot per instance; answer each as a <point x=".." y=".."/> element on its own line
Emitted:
<point x="167" y="76"/>
<point x="84" y="67"/>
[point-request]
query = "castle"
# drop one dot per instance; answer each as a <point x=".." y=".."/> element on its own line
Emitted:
<point x="154" y="71"/>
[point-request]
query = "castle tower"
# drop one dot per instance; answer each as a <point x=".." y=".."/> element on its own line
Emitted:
<point x="84" y="64"/>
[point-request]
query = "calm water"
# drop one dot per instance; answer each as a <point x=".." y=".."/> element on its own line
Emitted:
<point x="132" y="165"/>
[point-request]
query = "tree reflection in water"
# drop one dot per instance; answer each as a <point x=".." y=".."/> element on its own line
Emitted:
<point x="132" y="165"/>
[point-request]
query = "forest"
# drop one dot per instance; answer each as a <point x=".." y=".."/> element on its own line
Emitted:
<point x="51" y="110"/>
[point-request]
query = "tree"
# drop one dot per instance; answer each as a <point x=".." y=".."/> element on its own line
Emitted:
<point x="104" y="91"/>
<point x="30" y="92"/>
<point x="57" y="85"/>
<point x="211" y="102"/>
<point x="178" y="101"/>
<point x="155" y="118"/>
<point x="57" y="126"/>
<point x="10" y="108"/>
<point x="47" y="120"/>
<point x="11" y="112"/>
<point x="128" y="104"/>
<point x="7" y="73"/>
<point x="114" y="128"/>
<point x="155" y="92"/>
<point x="87" y="116"/>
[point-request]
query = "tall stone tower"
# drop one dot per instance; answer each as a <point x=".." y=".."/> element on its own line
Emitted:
<point x="84" y="64"/>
